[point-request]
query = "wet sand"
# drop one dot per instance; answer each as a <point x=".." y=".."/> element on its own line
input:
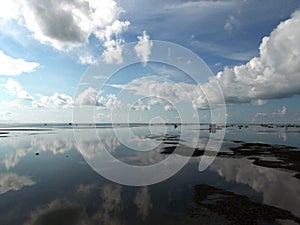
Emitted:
<point x="235" y="208"/>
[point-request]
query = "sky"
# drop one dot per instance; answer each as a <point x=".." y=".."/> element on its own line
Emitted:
<point x="103" y="61"/>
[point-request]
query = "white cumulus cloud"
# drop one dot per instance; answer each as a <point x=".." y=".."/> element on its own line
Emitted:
<point x="56" y="100"/>
<point x="11" y="104"/>
<point x="88" y="97"/>
<point x="280" y="113"/>
<point x="155" y="101"/>
<point x="109" y="101"/>
<point x="10" y="10"/>
<point x="91" y="97"/>
<point x="5" y="114"/>
<point x="113" y="54"/>
<point x="160" y="91"/>
<point x="275" y="73"/>
<point x="65" y="24"/>
<point x="283" y="111"/>
<point x="87" y="60"/>
<point x="143" y="47"/>
<point x="15" y="88"/>
<point x="13" y="67"/>
<point x="168" y="107"/>
<point x="140" y="106"/>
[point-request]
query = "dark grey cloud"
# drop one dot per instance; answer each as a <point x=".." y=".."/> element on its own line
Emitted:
<point x="56" y="22"/>
<point x="65" y="24"/>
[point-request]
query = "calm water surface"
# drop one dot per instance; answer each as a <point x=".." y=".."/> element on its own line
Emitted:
<point x="45" y="179"/>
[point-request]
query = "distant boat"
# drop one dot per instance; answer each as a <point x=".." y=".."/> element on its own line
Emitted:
<point x="212" y="128"/>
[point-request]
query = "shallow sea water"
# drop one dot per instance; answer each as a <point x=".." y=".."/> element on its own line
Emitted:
<point x="46" y="176"/>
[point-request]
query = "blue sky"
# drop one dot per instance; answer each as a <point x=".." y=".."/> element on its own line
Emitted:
<point x="47" y="48"/>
